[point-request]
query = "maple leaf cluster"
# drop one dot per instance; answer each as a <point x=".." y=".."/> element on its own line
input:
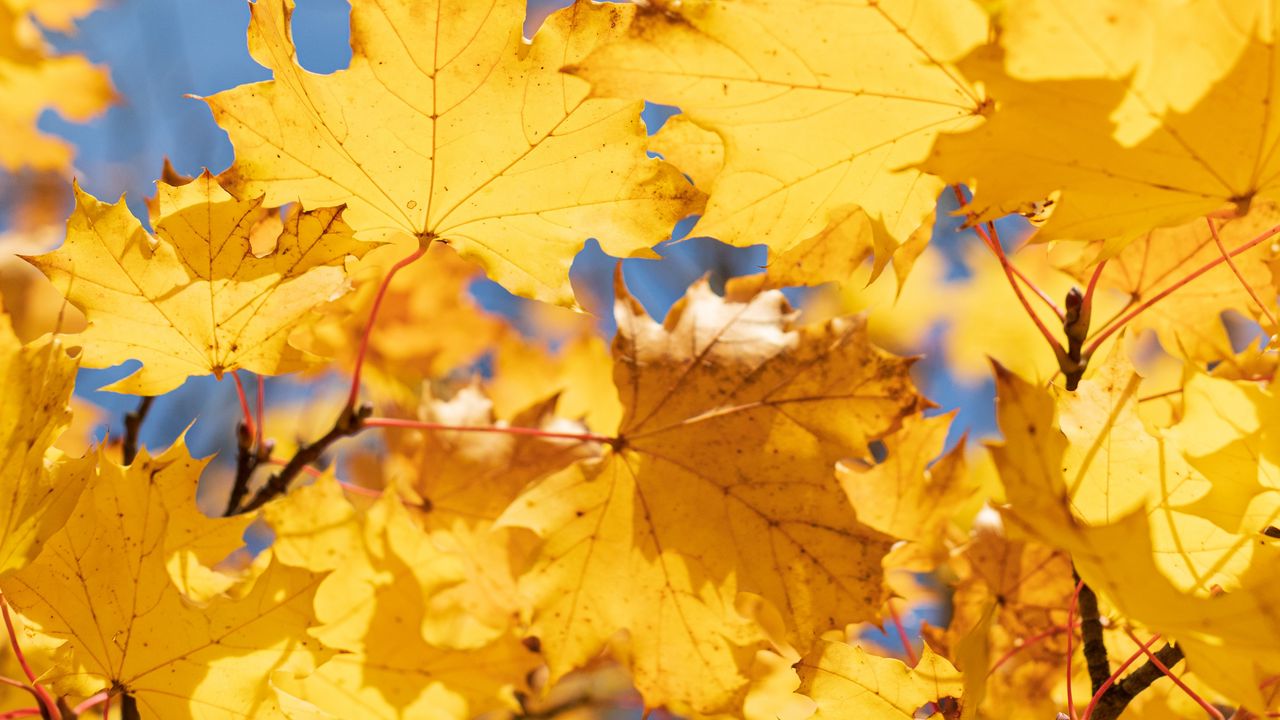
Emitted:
<point x="715" y="516"/>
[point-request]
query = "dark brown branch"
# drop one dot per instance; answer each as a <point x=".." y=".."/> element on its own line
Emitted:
<point x="1095" y="647"/>
<point x="349" y="423"/>
<point x="1118" y="696"/>
<point x="246" y="463"/>
<point x="132" y="425"/>
<point x="129" y="708"/>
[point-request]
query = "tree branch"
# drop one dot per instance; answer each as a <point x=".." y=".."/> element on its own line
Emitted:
<point x="349" y="423"/>
<point x="1095" y="647"/>
<point x="1118" y="696"/>
<point x="132" y="425"/>
<point x="246" y="463"/>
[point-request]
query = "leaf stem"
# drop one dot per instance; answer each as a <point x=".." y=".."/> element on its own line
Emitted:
<point x="994" y="245"/>
<point x="534" y="432"/>
<point x="1151" y="658"/>
<point x="354" y="395"/>
<point x="992" y="240"/>
<point x="102" y="697"/>
<point x="1031" y="642"/>
<point x="20" y="685"/>
<point x="1222" y="249"/>
<point x="257" y="440"/>
<point x="49" y="705"/>
<point x="1071" y="622"/>
<point x="902" y="634"/>
<point x="20" y="713"/>
<point x="1119" y="323"/>
<point x="244" y="402"/>
<point x="132" y="427"/>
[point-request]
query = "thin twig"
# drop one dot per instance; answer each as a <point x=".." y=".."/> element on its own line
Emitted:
<point x="132" y="426"/>
<point x="246" y="463"/>
<point x="349" y="423"/>
<point x="1090" y="713"/>
<point x="1071" y="622"/>
<point x="1118" y="696"/>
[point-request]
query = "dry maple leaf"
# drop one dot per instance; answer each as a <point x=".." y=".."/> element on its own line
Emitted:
<point x="1008" y="592"/>
<point x="810" y="130"/>
<point x="103" y="584"/>
<point x="448" y="125"/>
<point x="721" y="481"/>
<point x="195" y="300"/>
<point x="37" y="379"/>
<point x="848" y="683"/>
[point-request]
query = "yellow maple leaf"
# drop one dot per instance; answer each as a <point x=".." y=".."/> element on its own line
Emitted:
<point x="32" y="82"/>
<point x="59" y="15"/>
<point x="1187" y="321"/>
<point x="808" y="131"/>
<point x="698" y="153"/>
<point x="1230" y="640"/>
<point x="401" y="355"/>
<point x="1008" y="592"/>
<point x="1048" y="137"/>
<point x="1168" y="52"/>
<point x="38" y="379"/>
<point x="579" y="375"/>
<point x="194" y="300"/>
<point x="720" y="481"/>
<point x="849" y="683"/>
<point x="193" y="543"/>
<point x="447" y="125"/>
<point x="459" y="483"/>
<point x="1112" y="465"/>
<point x="1227" y="432"/>
<point x="376" y="608"/>
<point x="103" y="585"/>
<point x="909" y="496"/>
